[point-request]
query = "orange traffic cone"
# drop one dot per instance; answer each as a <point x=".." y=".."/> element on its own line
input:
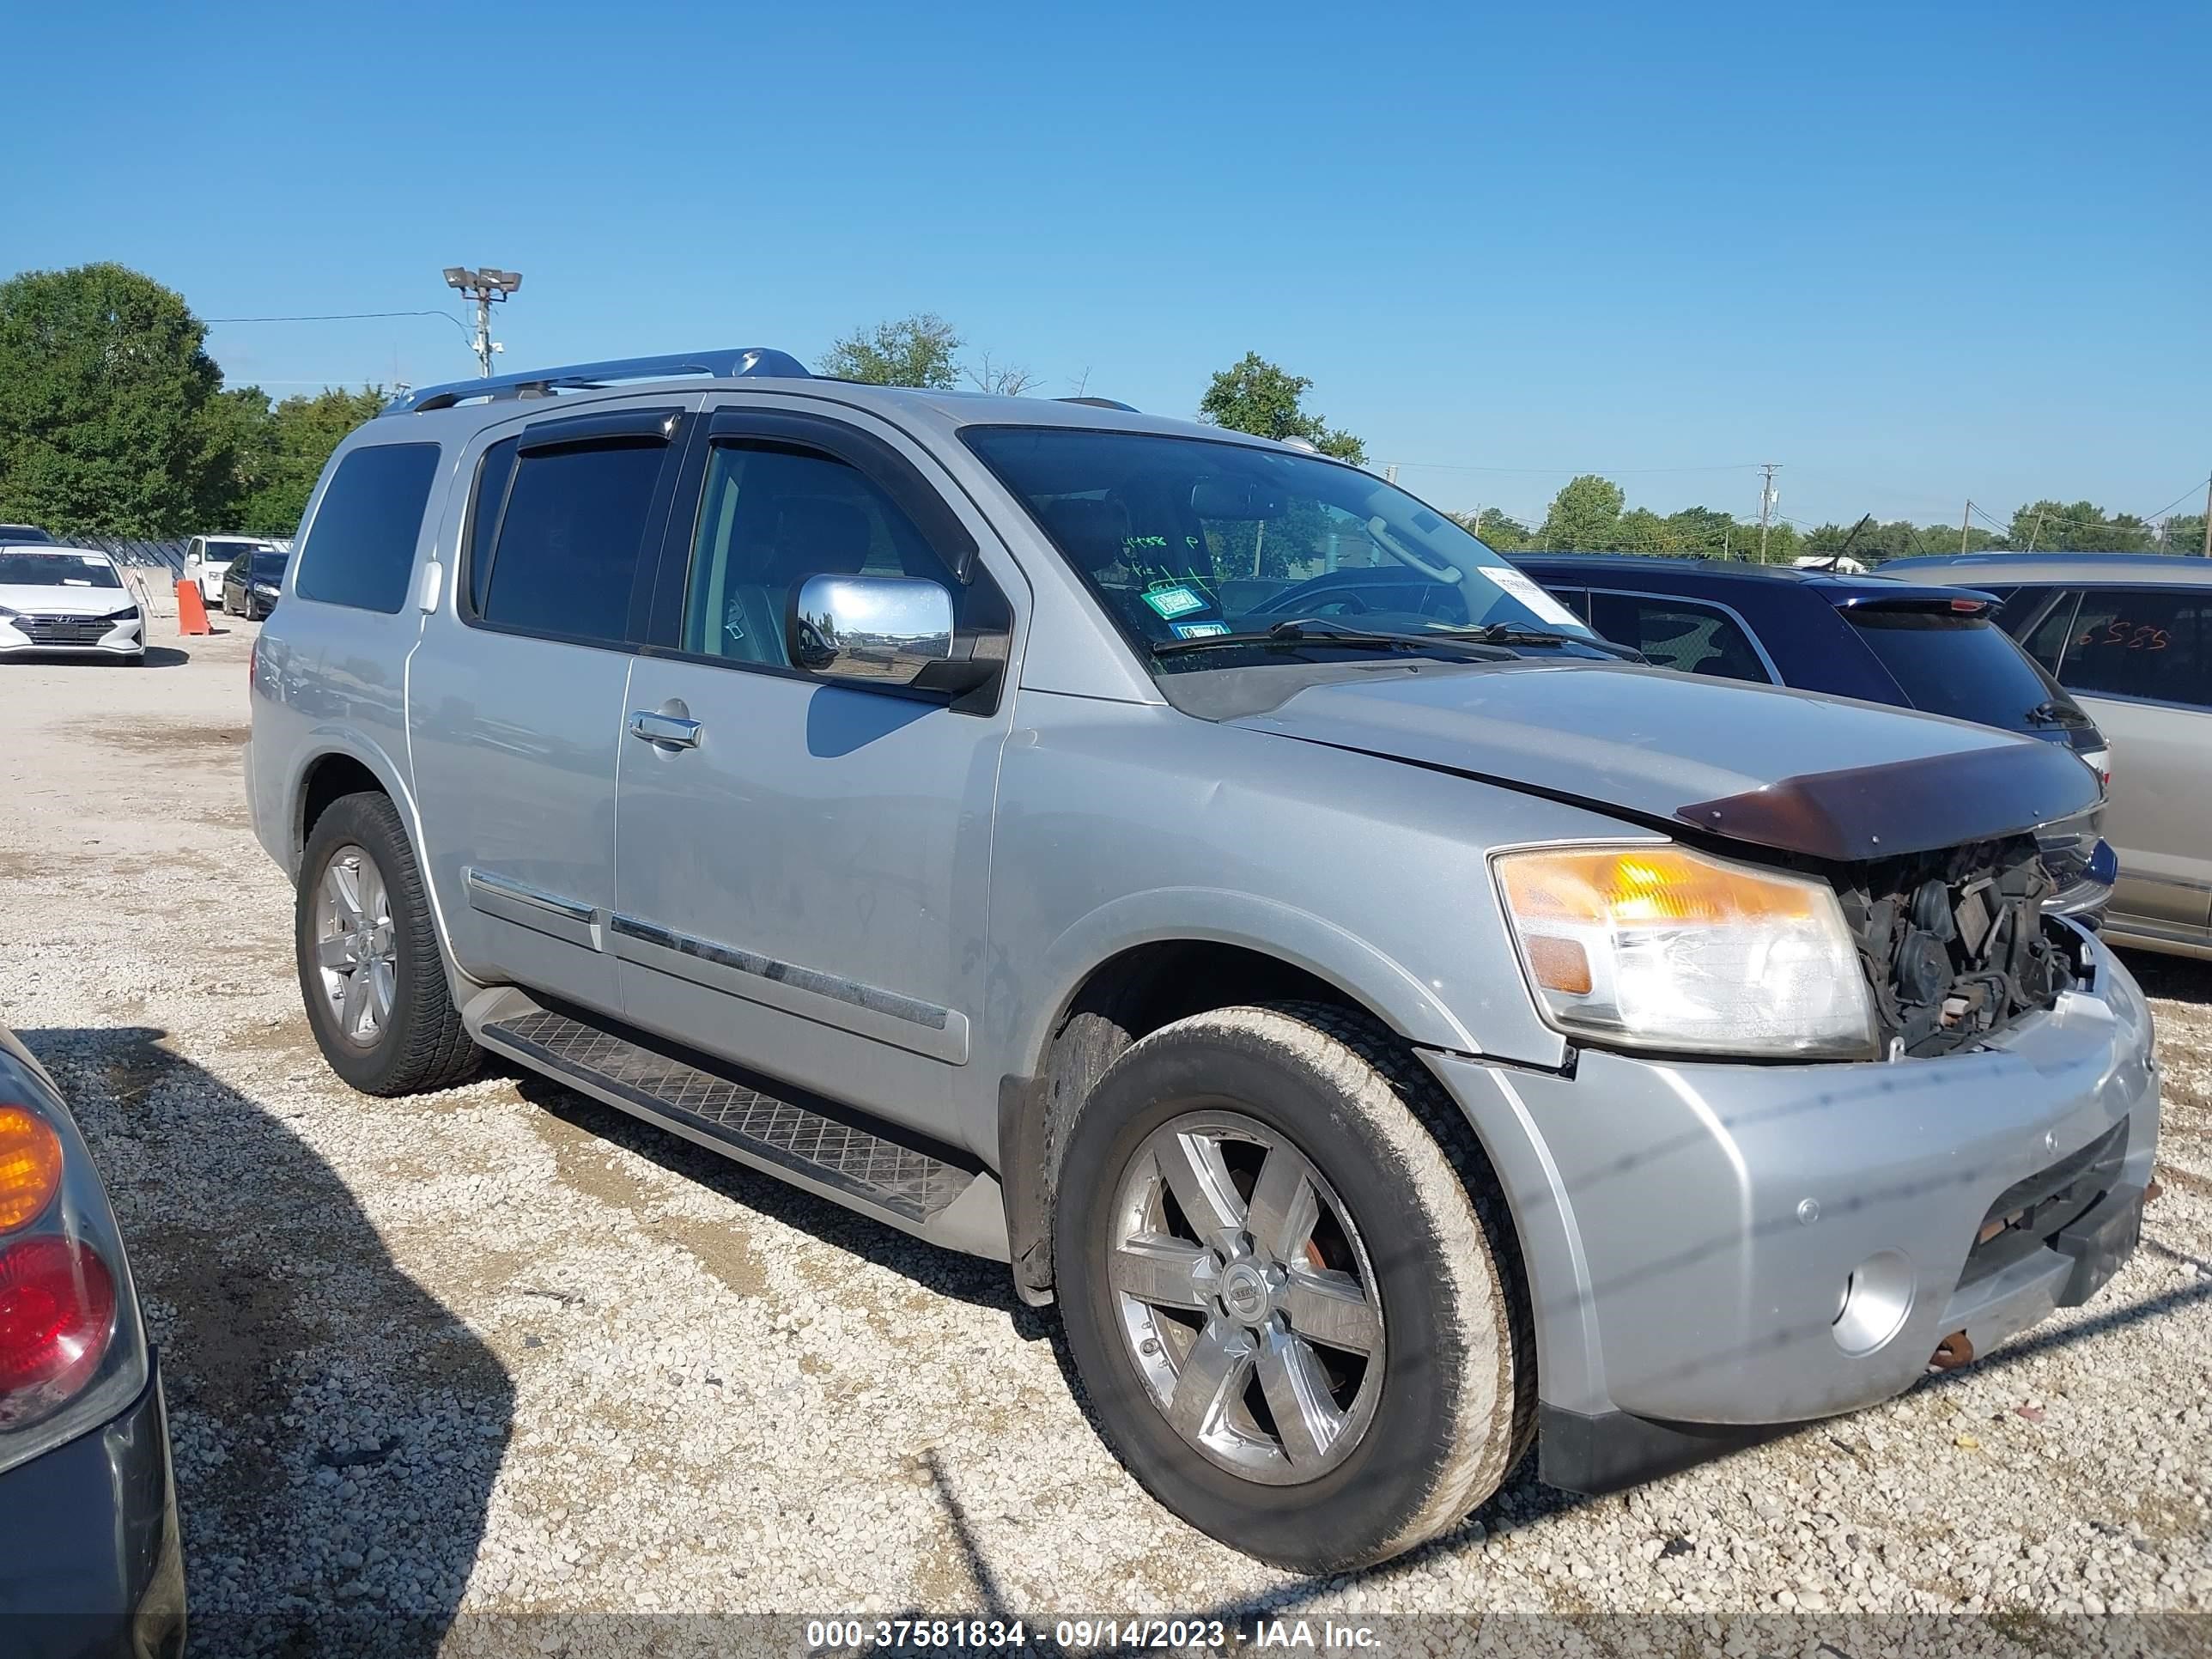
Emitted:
<point x="191" y="613"/>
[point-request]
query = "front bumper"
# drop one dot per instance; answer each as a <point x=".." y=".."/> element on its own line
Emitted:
<point x="1690" y="1229"/>
<point x="120" y="639"/>
<point x="90" y="1560"/>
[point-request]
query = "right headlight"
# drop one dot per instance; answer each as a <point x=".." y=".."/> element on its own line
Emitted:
<point x="1660" y="947"/>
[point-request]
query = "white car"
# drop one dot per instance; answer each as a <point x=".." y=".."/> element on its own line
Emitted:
<point x="68" y="599"/>
<point x="206" y="557"/>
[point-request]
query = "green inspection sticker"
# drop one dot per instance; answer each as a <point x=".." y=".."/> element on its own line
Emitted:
<point x="1205" y="630"/>
<point x="1175" y="600"/>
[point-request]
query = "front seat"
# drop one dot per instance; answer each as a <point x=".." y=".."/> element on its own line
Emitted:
<point x="813" y="536"/>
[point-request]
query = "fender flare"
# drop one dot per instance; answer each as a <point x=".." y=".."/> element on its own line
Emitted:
<point x="1212" y="916"/>
<point x="325" y="742"/>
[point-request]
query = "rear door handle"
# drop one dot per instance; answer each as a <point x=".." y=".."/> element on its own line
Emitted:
<point x="664" y="728"/>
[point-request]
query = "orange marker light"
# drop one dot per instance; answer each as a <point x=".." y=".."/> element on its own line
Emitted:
<point x="30" y="1167"/>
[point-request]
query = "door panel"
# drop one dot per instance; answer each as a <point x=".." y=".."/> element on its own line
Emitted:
<point x="514" y="733"/>
<point x="803" y="880"/>
<point x="804" y="891"/>
<point x="2139" y="661"/>
<point x="515" y="755"/>
<point x="2160" y="821"/>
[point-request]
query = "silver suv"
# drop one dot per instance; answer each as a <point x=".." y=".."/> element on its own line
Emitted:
<point x="2129" y="637"/>
<point x="1392" y="1036"/>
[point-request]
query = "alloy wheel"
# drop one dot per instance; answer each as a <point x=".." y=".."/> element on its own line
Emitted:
<point x="356" y="950"/>
<point x="1246" y="1297"/>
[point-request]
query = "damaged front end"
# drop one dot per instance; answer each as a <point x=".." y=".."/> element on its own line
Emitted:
<point x="1955" y="944"/>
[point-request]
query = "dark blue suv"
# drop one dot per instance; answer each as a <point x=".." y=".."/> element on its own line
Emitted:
<point x="1912" y="645"/>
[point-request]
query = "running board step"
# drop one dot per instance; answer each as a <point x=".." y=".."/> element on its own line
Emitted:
<point x="881" y="1174"/>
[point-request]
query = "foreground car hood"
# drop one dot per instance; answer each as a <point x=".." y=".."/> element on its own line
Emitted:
<point x="1816" y="775"/>
<point x="65" y="601"/>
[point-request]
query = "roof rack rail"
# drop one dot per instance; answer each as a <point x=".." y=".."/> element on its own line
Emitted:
<point x="1101" y="402"/>
<point x="736" y="363"/>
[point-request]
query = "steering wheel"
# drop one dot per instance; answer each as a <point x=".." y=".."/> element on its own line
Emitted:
<point x="1333" y="595"/>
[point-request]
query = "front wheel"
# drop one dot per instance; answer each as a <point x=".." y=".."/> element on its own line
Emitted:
<point x="369" y="968"/>
<point x="1303" y="1330"/>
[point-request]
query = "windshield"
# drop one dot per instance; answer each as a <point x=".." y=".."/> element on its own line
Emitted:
<point x="64" y="569"/>
<point x="1185" y="540"/>
<point x="23" y="532"/>
<point x="268" y="567"/>
<point x="1963" y="667"/>
<point x="219" y="552"/>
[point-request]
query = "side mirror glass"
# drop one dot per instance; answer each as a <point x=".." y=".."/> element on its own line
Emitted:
<point x="884" y="629"/>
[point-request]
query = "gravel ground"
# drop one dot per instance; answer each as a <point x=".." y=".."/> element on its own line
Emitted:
<point x="498" y="1363"/>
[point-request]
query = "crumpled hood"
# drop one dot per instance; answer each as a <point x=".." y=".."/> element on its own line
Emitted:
<point x="1818" y="775"/>
<point x="64" y="601"/>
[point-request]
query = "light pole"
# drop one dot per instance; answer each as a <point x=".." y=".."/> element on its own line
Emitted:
<point x="487" y="285"/>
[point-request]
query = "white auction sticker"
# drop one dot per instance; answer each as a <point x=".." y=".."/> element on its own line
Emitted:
<point x="1525" y="590"/>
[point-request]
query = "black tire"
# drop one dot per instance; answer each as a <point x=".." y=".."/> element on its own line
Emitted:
<point x="1456" y="1408"/>
<point x="423" y="1046"/>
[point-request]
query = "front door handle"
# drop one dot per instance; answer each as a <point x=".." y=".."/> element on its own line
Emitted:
<point x="677" y="734"/>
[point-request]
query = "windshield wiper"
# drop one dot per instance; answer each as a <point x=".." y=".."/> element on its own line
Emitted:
<point x="1313" y="630"/>
<point x="1506" y="633"/>
<point x="2051" y="712"/>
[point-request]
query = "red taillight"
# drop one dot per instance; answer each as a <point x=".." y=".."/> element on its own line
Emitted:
<point x="253" y="663"/>
<point x="57" y="1316"/>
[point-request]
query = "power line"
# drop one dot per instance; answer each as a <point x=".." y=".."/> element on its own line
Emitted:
<point x="2144" y="518"/>
<point x="341" y="317"/>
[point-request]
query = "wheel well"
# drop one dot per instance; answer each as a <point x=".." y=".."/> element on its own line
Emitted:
<point x="331" y="779"/>
<point x="1158" y="984"/>
<point x="1124" y="999"/>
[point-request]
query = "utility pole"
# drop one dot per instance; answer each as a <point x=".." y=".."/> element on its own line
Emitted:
<point x="487" y="285"/>
<point x="2207" y="518"/>
<point x="1390" y="473"/>
<point x="1767" y="500"/>
<point x="2035" y="530"/>
<point x="1966" y="519"/>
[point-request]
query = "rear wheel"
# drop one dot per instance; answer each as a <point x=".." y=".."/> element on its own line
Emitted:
<point x="370" y="973"/>
<point x="1299" y="1328"/>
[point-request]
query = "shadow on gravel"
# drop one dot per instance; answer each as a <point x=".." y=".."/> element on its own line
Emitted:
<point x="1522" y="1501"/>
<point x="964" y="1278"/>
<point x="2177" y="979"/>
<point x="337" y="1431"/>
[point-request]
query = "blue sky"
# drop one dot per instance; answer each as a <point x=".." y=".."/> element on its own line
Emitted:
<point x="1911" y="253"/>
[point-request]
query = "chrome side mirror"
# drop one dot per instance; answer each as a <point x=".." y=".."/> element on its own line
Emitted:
<point x="887" y="629"/>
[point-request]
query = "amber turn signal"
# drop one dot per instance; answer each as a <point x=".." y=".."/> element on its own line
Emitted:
<point x="30" y="1167"/>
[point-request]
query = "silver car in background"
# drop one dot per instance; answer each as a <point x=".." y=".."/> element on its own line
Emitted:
<point x="2129" y="637"/>
<point x="1389" y="1043"/>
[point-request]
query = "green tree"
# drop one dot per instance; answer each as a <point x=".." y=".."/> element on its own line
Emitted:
<point x="2080" y="528"/>
<point x="298" y="437"/>
<point x="1504" y="532"/>
<point x="1639" y="530"/>
<point x="1585" y="515"/>
<point x="921" y="350"/>
<point x="109" y="414"/>
<point x="1254" y="395"/>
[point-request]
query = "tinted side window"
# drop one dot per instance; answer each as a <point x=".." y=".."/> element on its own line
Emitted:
<point x="1679" y="634"/>
<point x="2048" y="619"/>
<point x="360" y="551"/>
<point x="565" y="559"/>
<point x="2142" y="642"/>
<point x="772" y="515"/>
<point x="494" y="473"/>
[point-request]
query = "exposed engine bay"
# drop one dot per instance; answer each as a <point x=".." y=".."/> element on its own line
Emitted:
<point x="1954" y="942"/>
